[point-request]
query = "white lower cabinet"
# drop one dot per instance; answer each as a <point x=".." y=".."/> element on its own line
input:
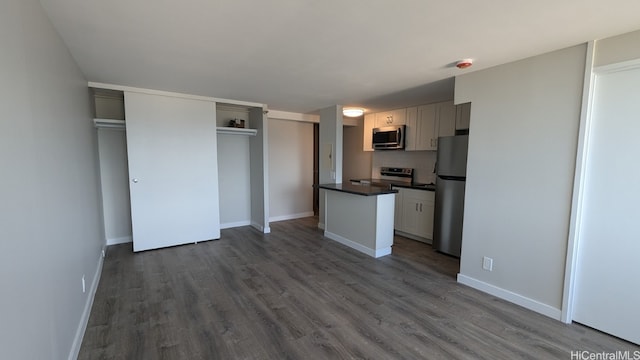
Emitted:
<point x="414" y="213"/>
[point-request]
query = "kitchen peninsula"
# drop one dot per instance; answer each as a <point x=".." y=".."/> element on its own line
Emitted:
<point x="360" y="216"/>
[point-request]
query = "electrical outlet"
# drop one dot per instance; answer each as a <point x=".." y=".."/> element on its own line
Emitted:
<point x="84" y="289"/>
<point x="487" y="263"/>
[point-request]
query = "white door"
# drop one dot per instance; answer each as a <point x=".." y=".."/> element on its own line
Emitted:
<point x="173" y="170"/>
<point x="607" y="294"/>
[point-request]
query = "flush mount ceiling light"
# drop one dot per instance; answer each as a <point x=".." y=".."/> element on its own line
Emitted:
<point x="352" y="112"/>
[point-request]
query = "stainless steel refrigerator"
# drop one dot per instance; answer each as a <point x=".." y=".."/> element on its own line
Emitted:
<point x="451" y="171"/>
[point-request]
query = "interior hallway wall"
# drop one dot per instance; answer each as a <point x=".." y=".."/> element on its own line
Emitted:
<point x="290" y="169"/>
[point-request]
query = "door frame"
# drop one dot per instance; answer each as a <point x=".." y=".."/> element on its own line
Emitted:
<point x="591" y="75"/>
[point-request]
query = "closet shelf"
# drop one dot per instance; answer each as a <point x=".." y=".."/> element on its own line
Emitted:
<point x="108" y="124"/>
<point x="236" y="131"/>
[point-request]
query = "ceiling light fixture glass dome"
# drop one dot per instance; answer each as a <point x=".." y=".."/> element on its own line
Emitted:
<point x="352" y="112"/>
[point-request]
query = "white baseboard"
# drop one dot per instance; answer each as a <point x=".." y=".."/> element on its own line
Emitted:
<point x="414" y="237"/>
<point x="84" y="319"/>
<point x="262" y="229"/>
<point x="291" y="216"/>
<point x="321" y="226"/>
<point x="376" y="253"/>
<point x="510" y="296"/>
<point x="120" y="240"/>
<point x="235" y="224"/>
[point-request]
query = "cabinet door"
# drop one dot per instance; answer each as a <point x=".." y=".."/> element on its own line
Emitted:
<point x="463" y="116"/>
<point x="393" y="117"/>
<point x="418" y="211"/>
<point x="446" y="119"/>
<point x="173" y="169"/>
<point x="426" y="127"/>
<point x="411" y="131"/>
<point x="410" y="214"/>
<point x="367" y="135"/>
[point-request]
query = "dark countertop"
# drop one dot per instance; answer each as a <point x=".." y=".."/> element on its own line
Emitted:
<point x="402" y="184"/>
<point x="364" y="190"/>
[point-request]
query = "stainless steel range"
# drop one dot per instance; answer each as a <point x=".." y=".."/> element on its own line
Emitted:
<point x="389" y="176"/>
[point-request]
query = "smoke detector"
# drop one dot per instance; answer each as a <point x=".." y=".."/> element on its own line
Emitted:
<point x="464" y="63"/>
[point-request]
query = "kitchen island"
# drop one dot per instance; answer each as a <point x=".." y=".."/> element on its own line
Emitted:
<point x="360" y="217"/>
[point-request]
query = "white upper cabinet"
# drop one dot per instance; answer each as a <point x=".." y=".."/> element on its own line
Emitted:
<point x="390" y="118"/>
<point x="424" y="124"/>
<point x="367" y="136"/>
<point x="432" y="121"/>
<point x="426" y="129"/>
<point x="411" y="128"/>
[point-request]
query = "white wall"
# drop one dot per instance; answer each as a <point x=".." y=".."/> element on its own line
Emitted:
<point x="522" y="149"/>
<point x="114" y="179"/>
<point x="50" y="225"/>
<point x="290" y="169"/>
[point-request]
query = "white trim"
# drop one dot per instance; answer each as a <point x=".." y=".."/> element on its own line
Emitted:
<point x="376" y="253"/>
<point x="221" y="130"/>
<point x="120" y="240"/>
<point x="292" y="116"/>
<point x="262" y="229"/>
<point x="84" y="319"/>
<point x="578" y="187"/>
<point x="172" y="94"/>
<point x="235" y="224"/>
<point x="517" y="299"/>
<point x="291" y="216"/>
<point x="321" y="226"/>
<point x="621" y="66"/>
<point x="413" y="237"/>
<point x="310" y="118"/>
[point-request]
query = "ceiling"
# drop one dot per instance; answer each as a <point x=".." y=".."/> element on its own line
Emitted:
<point x="303" y="55"/>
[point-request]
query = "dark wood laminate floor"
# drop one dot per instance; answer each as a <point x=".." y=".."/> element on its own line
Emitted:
<point x="294" y="294"/>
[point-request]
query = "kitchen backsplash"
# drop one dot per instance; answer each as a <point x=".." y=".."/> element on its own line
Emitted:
<point x="423" y="163"/>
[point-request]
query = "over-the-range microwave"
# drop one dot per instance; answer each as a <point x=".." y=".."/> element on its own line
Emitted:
<point x="388" y="137"/>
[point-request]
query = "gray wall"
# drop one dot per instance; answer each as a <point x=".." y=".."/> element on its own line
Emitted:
<point x="114" y="178"/>
<point x="356" y="164"/>
<point x="50" y="228"/>
<point x="234" y="172"/>
<point x="617" y="49"/>
<point x="522" y="149"/>
<point x="290" y="169"/>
